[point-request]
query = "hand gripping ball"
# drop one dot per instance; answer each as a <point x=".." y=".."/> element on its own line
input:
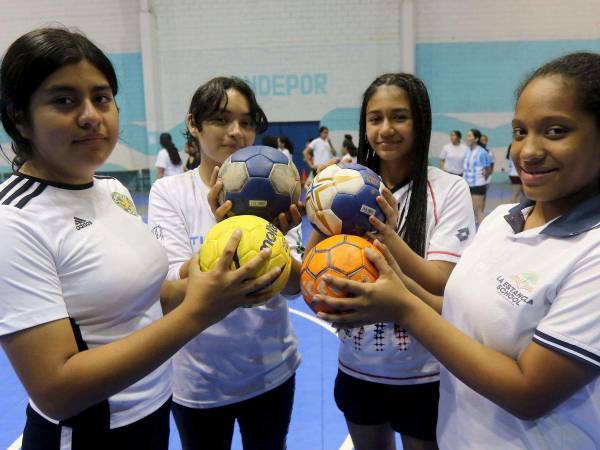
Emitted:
<point x="257" y="234"/>
<point x="340" y="256"/>
<point x="259" y="180"/>
<point x="341" y="198"/>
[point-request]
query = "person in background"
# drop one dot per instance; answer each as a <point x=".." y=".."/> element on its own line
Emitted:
<point x="452" y="156"/>
<point x="476" y="170"/>
<point x="285" y="146"/>
<point x="168" y="160"/>
<point x="349" y="150"/>
<point x="81" y="275"/>
<point x="516" y="186"/>
<point x="193" y="160"/>
<point x="322" y="148"/>
<point x="484" y="143"/>
<point x="309" y="158"/>
<point x="518" y="338"/>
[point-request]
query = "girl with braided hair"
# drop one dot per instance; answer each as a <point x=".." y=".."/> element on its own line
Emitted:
<point x="429" y="221"/>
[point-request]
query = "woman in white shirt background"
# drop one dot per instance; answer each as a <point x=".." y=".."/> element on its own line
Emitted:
<point x="453" y="154"/>
<point x="168" y="160"/>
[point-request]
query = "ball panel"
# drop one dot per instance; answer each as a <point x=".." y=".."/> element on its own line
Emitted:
<point x="257" y="233"/>
<point x="259" y="166"/>
<point x="348" y="192"/>
<point x="328" y="223"/>
<point x="284" y="178"/>
<point x="347" y="257"/>
<point x="259" y="199"/>
<point x="233" y="175"/>
<point x="348" y="181"/>
<point x="258" y="163"/>
<point x="341" y="256"/>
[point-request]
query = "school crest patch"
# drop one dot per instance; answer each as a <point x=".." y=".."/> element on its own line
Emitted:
<point x="123" y="202"/>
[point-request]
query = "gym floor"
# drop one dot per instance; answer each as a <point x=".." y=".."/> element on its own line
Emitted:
<point x="316" y="422"/>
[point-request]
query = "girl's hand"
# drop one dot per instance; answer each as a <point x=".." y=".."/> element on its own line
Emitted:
<point x="388" y="204"/>
<point x="219" y="211"/>
<point x="385" y="300"/>
<point x="220" y="290"/>
<point x="285" y="221"/>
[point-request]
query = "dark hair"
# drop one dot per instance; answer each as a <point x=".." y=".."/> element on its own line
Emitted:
<point x="321" y="129"/>
<point x="268" y="140"/>
<point x="206" y="101"/>
<point x="28" y="62"/>
<point x="457" y="132"/>
<point x="583" y="70"/>
<point x="348" y="144"/>
<point x="413" y="231"/>
<point x="476" y="133"/>
<point x="287" y="143"/>
<point x="481" y="144"/>
<point x="508" y="151"/>
<point x="166" y="142"/>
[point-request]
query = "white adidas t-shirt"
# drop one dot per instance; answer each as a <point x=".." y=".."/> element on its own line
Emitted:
<point x="512" y="287"/>
<point x="252" y="350"/>
<point x="384" y="352"/>
<point x="82" y="252"/>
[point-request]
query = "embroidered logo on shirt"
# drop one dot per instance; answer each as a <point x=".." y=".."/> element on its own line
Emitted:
<point x="515" y="288"/>
<point x="157" y="231"/>
<point x="81" y="223"/>
<point x="462" y="234"/>
<point x="123" y="202"/>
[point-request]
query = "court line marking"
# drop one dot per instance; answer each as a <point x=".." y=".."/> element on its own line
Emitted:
<point x="347" y="444"/>
<point x="314" y="319"/>
<point x="17" y="444"/>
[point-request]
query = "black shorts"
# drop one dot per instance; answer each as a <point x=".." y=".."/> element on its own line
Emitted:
<point x="149" y="433"/>
<point x="478" y="190"/>
<point x="263" y="420"/>
<point x="409" y="409"/>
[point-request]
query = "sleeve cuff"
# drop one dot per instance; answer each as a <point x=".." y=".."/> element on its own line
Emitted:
<point x="567" y="348"/>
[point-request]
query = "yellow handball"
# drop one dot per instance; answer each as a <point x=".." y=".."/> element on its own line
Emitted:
<point x="257" y="234"/>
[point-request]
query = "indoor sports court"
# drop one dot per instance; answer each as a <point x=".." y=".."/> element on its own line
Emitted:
<point x="308" y="63"/>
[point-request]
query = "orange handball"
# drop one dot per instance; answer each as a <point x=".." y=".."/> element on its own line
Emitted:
<point x="340" y="256"/>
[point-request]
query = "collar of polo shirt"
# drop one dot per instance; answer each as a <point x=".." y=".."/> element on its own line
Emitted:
<point x="584" y="217"/>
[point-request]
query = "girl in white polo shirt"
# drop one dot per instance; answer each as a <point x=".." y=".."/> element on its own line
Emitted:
<point x="381" y="366"/>
<point x="242" y="369"/>
<point x="81" y="276"/>
<point x="519" y="337"/>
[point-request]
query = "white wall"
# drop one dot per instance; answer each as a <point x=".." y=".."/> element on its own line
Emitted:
<point x="471" y="54"/>
<point x="304" y="58"/>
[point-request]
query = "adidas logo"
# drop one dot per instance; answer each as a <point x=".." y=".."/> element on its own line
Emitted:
<point x="81" y="223"/>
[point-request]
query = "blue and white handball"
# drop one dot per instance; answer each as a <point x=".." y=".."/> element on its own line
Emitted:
<point x="260" y="181"/>
<point x="341" y="198"/>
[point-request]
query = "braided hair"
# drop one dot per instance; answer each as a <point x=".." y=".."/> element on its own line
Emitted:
<point x="414" y="229"/>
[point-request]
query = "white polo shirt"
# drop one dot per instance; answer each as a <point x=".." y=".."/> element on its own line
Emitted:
<point x="512" y="287"/>
<point x="384" y="352"/>
<point x="252" y="350"/>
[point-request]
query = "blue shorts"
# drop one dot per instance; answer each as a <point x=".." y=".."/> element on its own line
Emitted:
<point x="409" y="409"/>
